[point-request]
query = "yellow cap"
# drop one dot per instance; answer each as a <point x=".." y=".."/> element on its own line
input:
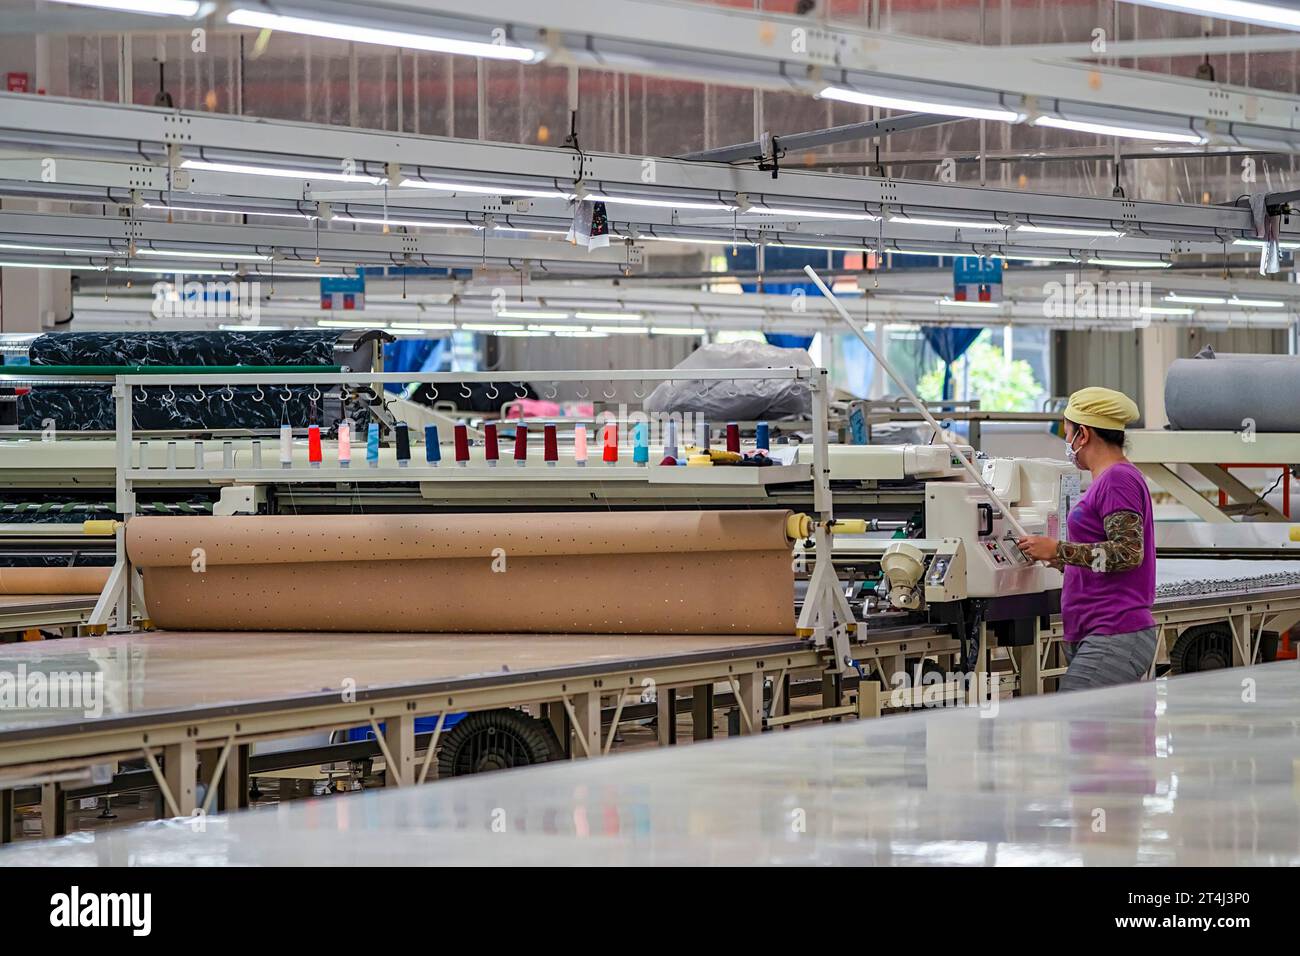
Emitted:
<point x="1101" y="408"/>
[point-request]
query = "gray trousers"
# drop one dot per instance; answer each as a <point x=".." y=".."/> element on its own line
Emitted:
<point x="1101" y="660"/>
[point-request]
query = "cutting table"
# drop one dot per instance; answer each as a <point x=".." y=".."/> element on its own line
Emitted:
<point x="1165" y="763"/>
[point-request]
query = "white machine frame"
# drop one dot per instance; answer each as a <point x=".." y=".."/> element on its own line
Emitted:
<point x="825" y="617"/>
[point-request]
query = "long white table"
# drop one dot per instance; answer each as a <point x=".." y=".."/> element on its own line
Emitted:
<point x="1195" y="770"/>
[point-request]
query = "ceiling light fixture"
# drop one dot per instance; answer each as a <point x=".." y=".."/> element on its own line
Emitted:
<point x="608" y="316"/>
<point x="49" y="265"/>
<point x="1070" y="231"/>
<point x="401" y="39"/>
<point x="480" y="190"/>
<point x="953" y="223"/>
<point x="969" y="304"/>
<point x="220" y="256"/>
<point x="1123" y="132"/>
<point x="1131" y="263"/>
<point x="161" y="8"/>
<point x="281" y="173"/>
<point x="810" y="213"/>
<point x="228" y="212"/>
<point x="27" y="247"/>
<point x="1258" y="303"/>
<point x="1197" y="299"/>
<point x="909" y="105"/>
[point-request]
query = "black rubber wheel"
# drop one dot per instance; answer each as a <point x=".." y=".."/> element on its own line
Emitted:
<point x="495" y="740"/>
<point x="1204" y="648"/>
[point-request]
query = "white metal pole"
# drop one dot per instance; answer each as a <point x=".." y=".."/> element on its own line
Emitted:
<point x="920" y="406"/>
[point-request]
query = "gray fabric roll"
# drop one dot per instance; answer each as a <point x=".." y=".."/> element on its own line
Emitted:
<point x="1234" y="392"/>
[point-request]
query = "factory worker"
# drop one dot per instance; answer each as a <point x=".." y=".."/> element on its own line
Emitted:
<point x="1110" y="557"/>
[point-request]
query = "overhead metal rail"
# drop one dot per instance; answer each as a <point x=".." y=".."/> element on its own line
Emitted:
<point x="725" y="204"/>
<point x="761" y="50"/>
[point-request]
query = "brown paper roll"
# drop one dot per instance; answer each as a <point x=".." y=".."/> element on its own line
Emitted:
<point x="53" y="580"/>
<point x="156" y="541"/>
<point x="653" y="573"/>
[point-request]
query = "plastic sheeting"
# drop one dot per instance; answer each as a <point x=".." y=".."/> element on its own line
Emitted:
<point x="722" y="400"/>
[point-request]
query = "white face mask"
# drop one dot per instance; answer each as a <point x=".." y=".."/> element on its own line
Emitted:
<point x="1071" y="453"/>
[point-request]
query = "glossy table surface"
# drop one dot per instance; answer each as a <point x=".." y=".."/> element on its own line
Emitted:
<point x="160" y="672"/>
<point x="1202" y="769"/>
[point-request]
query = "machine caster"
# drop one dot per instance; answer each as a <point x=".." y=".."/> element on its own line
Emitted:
<point x="496" y="740"/>
<point x="1205" y="647"/>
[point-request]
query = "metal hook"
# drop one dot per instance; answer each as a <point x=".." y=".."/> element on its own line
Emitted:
<point x="433" y="394"/>
<point x="170" y="397"/>
<point x="584" y="392"/>
<point x="259" y="395"/>
<point x="286" y="395"/>
<point x="144" y="396"/>
<point x="464" y="391"/>
<point x="493" y="393"/>
<point x="553" y="393"/>
<point x="228" y="395"/>
<point x="521" y="391"/>
<point x="202" y="396"/>
<point x="639" y="394"/>
<point x="314" y="394"/>
<point x="609" y="394"/>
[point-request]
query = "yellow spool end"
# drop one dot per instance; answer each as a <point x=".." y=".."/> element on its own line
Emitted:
<point x="99" y="526"/>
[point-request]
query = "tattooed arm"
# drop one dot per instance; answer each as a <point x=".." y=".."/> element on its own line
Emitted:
<point x="1123" y="548"/>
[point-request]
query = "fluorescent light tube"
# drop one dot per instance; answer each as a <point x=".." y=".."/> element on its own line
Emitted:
<point x="286" y="173"/>
<point x="1026" y="257"/>
<point x="581" y="334"/>
<point x="1257" y="243"/>
<point x="1258" y="303"/>
<point x="694" y="240"/>
<point x="954" y="223"/>
<point x="1131" y="263"/>
<point x="810" y="213"/>
<point x="919" y="106"/>
<point x="1165" y="310"/>
<point x="394" y="38"/>
<point x="609" y="316"/>
<point x="49" y="265"/>
<point x="425" y="326"/>
<point x="491" y="327"/>
<point x="1264" y="14"/>
<point x="660" y="203"/>
<point x="174" y="269"/>
<point x="970" y="304"/>
<point x="407" y="222"/>
<point x="619" y="329"/>
<point x="520" y="333"/>
<point x="220" y="256"/>
<point x="1124" y="132"/>
<point x="663" y="330"/>
<point x="554" y="328"/>
<point x="229" y="212"/>
<point x="480" y="190"/>
<point x="1197" y="299"/>
<point x="26" y="247"/>
<point x="527" y="314"/>
<point x="161" y="8"/>
<point x="1071" y="231"/>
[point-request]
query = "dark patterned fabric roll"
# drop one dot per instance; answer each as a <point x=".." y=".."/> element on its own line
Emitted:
<point x="289" y="347"/>
<point x="89" y="408"/>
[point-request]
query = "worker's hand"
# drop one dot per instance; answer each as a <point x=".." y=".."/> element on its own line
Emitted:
<point x="1039" y="547"/>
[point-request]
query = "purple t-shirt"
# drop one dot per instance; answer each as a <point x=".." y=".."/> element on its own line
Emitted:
<point x="1110" y="602"/>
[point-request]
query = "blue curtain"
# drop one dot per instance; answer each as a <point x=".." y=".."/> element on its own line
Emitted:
<point x="951" y="344"/>
<point x="781" y="340"/>
<point x="413" y="355"/>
